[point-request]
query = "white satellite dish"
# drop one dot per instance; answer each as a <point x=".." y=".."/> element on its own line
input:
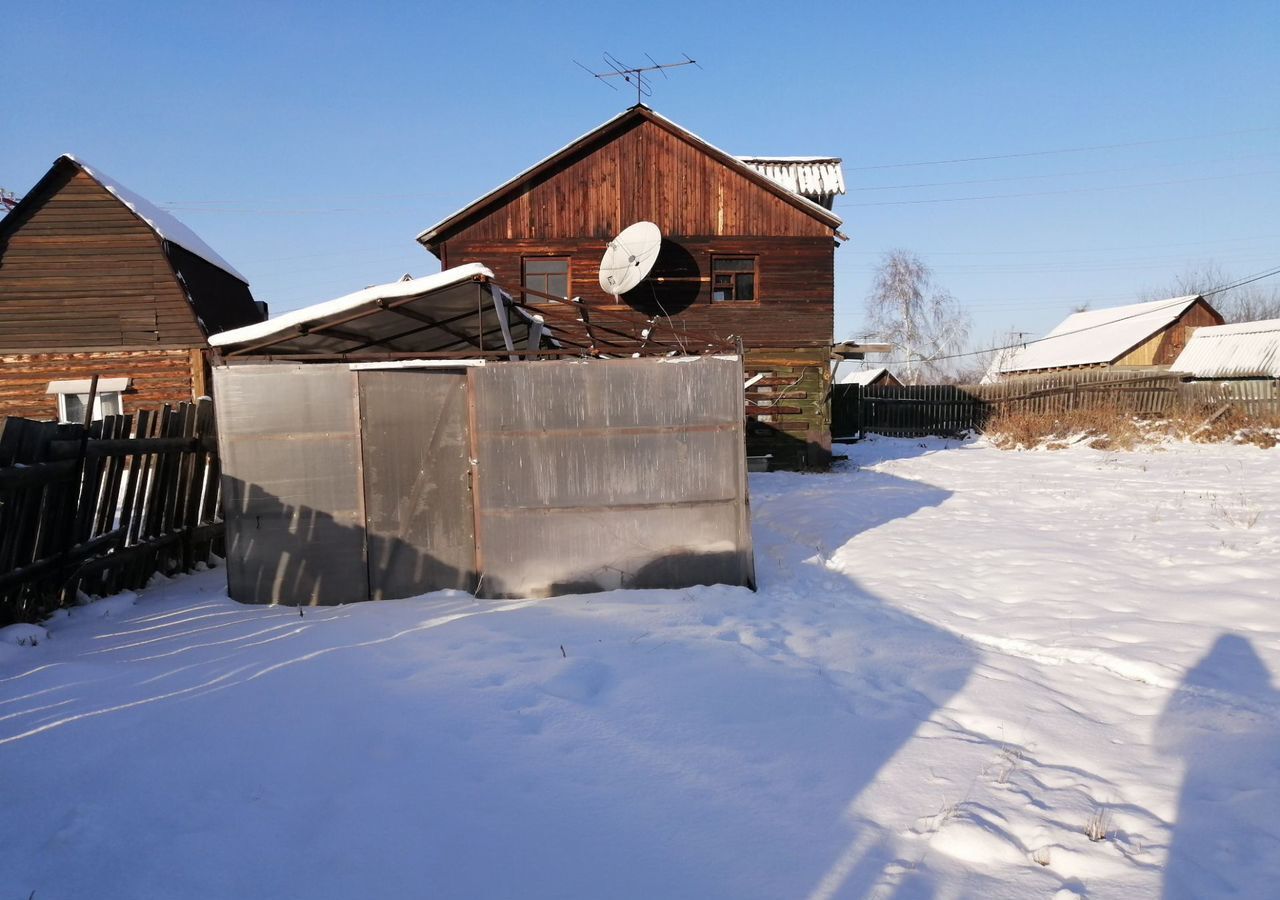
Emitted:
<point x="630" y="257"/>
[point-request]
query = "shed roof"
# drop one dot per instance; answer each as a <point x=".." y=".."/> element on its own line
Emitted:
<point x="639" y="111"/>
<point x="846" y="375"/>
<point x="1243" y="350"/>
<point x="418" y="315"/>
<point x="1097" y="336"/>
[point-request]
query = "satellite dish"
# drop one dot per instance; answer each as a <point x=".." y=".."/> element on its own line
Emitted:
<point x="630" y="257"/>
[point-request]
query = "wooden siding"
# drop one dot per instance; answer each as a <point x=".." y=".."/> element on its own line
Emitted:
<point x="1163" y="347"/>
<point x="643" y="172"/>
<point x="80" y="271"/>
<point x="788" y="409"/>
<point x="795" y="286"/>
<point x="157" y="377"/>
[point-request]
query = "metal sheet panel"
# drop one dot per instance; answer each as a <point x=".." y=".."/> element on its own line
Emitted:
<point x="416" y="482"/>
<point x="610" y="473"/>
<point x="291" y="484"/>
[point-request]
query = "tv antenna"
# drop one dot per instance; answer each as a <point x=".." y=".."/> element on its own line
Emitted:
<point x="635" y="75"/>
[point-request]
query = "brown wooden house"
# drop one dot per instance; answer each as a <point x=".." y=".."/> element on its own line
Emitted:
<point x="1138" y="336"/>
<point x="95" y="280"/>
<point x="748" y="252"/>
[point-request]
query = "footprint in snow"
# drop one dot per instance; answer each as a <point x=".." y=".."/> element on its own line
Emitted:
<point x="578" y="680"/>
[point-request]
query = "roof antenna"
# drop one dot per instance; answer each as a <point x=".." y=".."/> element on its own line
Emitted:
<point x="635" y="75"/>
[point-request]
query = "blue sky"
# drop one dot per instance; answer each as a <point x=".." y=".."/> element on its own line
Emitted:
<point x="309" y="143"/>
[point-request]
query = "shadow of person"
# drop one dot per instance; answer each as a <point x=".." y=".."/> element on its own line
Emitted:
<point x="1223" y="722"/>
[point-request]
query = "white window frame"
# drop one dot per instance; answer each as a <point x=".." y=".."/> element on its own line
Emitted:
<point x="109" y="389"/>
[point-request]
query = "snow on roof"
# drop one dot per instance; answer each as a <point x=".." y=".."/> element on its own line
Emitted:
<point x="1247" y="349"/>
<point x="165" y="224"/>
<point x="349" y="302"/>
<point x="809" y="176"/>
<point x="845" y="375"/>
<point x="822" y="211"/>
<point x="1097" y="335"/>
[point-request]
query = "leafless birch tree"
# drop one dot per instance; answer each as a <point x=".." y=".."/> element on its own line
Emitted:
<point x="1247" y="303"/>
<point x="923" y="322"/>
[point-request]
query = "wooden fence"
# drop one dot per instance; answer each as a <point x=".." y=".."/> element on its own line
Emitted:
<point x="908" y="411"/>
<point x="920" y="410"/>
<point x="103" y="509"/>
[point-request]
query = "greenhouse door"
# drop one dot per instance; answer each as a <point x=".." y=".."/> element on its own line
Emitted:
<point x="414" y="431"/>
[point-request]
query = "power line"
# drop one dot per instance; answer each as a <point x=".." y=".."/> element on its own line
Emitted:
<point x="1114" y="187"/>
<point x="965" y="159"/>
<point x="1203" y="162"/>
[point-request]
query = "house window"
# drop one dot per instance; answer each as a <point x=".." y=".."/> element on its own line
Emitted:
<point x="549" y="274"/>
<point x="73" y="395"/>
<point x="733" y="279"/>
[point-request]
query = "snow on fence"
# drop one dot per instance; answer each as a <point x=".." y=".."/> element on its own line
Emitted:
<point x="918" y="410"/>
<point x="100" y="510"/>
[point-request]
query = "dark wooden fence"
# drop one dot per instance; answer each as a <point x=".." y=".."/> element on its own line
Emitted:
<point x="103" y="509"/>
<point x="909" y="411"/>
<point x="921" y="410"/>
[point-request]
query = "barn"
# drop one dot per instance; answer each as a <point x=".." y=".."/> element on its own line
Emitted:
<point x="1137" y="336"/>
<point x="434" y="434"/>
<point x="748" y="253"/>
<point x="96" y="280"/>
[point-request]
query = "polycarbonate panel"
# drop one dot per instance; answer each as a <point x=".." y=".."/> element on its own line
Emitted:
<point x="611" y="393"/>
<point x="563" y="467"/>
<point x="543" y="553"/>
<point x="291" y="484"/>
<point x="417" y="475"/>
<point x="610" y="473"/>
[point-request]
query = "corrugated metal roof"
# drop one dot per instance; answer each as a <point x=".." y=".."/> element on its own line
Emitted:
<point x="1097" y="336"/>
<point x="1244" y="350"/>
<point x="816" y="177"/>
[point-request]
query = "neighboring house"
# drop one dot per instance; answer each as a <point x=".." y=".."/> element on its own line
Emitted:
<point x="748" y="252"/>
<point x="95" y="280"/>
<point x="877" y="377"/>
<point x="1140" y="335"/>
<point x="1244" y="350"/>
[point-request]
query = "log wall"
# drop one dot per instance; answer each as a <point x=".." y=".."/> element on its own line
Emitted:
<point x="158" y="377"/>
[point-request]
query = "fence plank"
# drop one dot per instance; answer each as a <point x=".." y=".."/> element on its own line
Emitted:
<point x="142" y="497"/>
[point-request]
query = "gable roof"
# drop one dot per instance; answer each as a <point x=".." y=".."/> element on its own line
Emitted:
<point x="622" y="120"/>
<point x="1243" y="350"/>
<point x="166" y="226"/>
<point x="1097" y="336"/>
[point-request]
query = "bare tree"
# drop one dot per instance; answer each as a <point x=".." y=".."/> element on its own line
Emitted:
<point x="924" y="323"/>
<point x="1247" y="303"/>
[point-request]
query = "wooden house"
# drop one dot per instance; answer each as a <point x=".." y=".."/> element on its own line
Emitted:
<point x="1138" y="336"/>
<point x="95" y="280"/>
<point x="748" y="253"/>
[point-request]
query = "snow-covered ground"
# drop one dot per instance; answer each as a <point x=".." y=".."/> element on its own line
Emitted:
<point x="959" y="658"/>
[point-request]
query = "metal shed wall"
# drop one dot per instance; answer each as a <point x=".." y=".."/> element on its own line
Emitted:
<point x="515" y="479"/>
